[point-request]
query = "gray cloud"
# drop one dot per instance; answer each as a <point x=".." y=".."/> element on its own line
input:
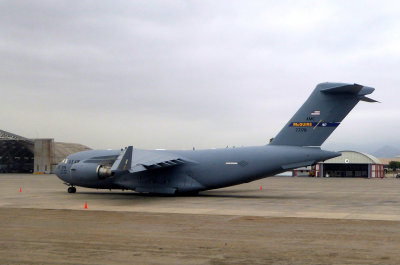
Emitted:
<point x="175" y="74"/>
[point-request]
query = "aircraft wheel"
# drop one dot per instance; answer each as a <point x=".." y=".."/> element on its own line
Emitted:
<point x="71" y="190"/>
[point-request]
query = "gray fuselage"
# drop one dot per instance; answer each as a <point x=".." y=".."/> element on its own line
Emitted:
<point x="207" y="169"/>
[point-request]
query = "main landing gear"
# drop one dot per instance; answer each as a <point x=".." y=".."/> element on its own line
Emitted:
<point x="71" y="189"/>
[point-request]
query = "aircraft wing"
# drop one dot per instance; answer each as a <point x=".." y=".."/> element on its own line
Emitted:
<point x="134" y="160"/>
<point x="150" y="160"/>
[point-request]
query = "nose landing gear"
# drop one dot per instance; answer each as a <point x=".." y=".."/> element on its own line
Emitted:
<point x="71" y="189"/>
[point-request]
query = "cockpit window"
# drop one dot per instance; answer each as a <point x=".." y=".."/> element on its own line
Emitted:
<point x="70" y="161"/>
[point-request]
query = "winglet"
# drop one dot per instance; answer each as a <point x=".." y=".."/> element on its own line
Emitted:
<point x="124" y="160"/>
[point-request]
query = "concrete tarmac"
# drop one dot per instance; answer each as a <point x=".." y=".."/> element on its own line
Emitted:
<point x="367" y="199"/>
<point x="287" y="221"/>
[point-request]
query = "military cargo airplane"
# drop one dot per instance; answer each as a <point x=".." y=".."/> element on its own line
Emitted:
<point x="298" y="144"/>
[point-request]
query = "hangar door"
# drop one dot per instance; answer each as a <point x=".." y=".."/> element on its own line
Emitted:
<point x="346" y="170"/>
<point x="15" y="157"/>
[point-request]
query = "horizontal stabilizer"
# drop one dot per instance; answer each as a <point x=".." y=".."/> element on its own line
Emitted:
<point x="340" y="89"/>
<point x="367" y="99"/>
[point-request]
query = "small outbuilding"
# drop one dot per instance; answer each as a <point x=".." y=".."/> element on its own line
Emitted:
<point x="386" y="161"/>
<point x="304" y="172"/>
<point x="351" y="164"/>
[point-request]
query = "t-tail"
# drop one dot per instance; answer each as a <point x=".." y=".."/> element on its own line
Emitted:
<point x="321" y="114"/>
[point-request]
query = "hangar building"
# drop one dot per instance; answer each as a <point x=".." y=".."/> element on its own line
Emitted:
<point x="351" y="164"/>
<point x="22" y="155"/>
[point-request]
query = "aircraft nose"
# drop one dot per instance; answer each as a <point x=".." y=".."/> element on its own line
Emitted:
<point x="59" y="174"/>
<point x="57" y="170"/>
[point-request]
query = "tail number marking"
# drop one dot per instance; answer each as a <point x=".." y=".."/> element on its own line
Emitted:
<point x="301" y="124"/>
<point x="314" y="124"/>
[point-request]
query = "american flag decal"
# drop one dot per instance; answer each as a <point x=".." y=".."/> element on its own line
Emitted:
<point x="316" y="113"/>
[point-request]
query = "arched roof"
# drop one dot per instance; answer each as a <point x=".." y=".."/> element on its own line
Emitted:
<point x="353" y="157"/>
<point x="62" y="150"/>
<point x="10" y="136"/>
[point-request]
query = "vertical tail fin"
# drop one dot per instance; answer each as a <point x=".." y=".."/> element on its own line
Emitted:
<point x="321" y="114"/>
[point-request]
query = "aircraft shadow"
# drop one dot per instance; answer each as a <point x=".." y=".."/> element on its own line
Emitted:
<point x="127" y="194"/>
<point x="244" y="194"/>
<point x="247" y="196"/>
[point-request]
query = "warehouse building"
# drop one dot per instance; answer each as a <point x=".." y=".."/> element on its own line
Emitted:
<point x="351" y="164"/>
<point x="386" y="161"/>
<point x="23" y="155"/>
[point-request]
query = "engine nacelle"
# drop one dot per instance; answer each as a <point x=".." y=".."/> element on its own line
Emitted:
<point x="84" y="174"/>
<point x="104" y="172"/>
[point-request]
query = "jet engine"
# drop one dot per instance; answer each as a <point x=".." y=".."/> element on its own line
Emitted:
<point x="84" y="173"/>
<point x="104" y="172"/>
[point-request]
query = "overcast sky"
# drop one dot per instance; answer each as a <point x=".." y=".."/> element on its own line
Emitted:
<point x="177" y="74"/>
